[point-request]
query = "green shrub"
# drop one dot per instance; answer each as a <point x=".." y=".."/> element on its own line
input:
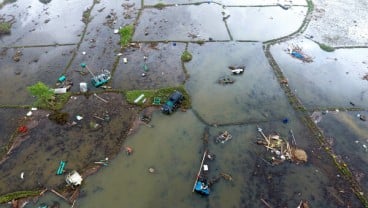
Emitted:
<point x="159" y="6"/>
<point x="5" y="27"/>
<point x="126" y="34"/>
<point x="326" y="48"/>
<point x="186" y="56"/>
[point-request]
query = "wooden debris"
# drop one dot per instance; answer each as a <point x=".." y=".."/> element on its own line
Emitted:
<point x="282" y="148"/>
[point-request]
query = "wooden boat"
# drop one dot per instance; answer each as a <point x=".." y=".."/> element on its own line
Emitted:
<point x="201" y="185"/>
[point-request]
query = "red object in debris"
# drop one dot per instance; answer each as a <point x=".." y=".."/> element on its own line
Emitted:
<point x="22" y="129"/>
<point x="128" y="150"/>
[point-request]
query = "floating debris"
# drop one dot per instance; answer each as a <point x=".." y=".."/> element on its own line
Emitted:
<point x="226" y="80"/>
<point x="223" y="137"/>
<point x="297" y="52"/>
<point x="151" y="170"/>
<point x="281" y="149"/>
<point x="237" y="69"/>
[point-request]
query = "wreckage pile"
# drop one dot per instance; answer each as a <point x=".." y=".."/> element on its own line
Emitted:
<point x="281" y="149"/>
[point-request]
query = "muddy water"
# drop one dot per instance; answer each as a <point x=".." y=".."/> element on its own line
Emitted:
<point x="173" y="150"/>
<point x="347" y="134"/>
<point x="254" y="96"/>
<point x="174" y="146"/>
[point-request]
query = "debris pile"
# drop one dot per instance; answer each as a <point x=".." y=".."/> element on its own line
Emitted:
<point x="297" y="52"/>
<point x="223" y="137"/>
<point x="281" y="149"/>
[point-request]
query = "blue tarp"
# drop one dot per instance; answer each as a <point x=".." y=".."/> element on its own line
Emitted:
<point x="297" y="55"/>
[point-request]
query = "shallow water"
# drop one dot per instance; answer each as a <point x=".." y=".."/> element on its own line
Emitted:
<point x="44" y="24"/>
<point x="318" y="84"/>
<point x="174" y="146"/>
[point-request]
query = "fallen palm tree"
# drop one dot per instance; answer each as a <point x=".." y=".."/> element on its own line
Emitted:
<point x="281" y="149"/>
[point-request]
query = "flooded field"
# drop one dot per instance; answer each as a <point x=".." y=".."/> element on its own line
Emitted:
<point x="316" y="105"/>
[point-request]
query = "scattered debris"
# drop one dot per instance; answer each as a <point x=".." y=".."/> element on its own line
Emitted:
<point x="139" y="98"/>
<point x="281" y="149"/>
<point x="62" y="90"/>
<point x="365" y="77"/>
<point x="100" y="98"/>
<point x="223" y="137"/>
<point x="128" y="150"/>
<point x="226" y="80"/>
<point x="237" y="69"/>
<point x="61" y="167"/>
<point x="18" y="54"/>
<point x="103" y="162"/>
<point x="226" y="176"/>
<point x="83" y="87"/>
<point x="361" y="117"/>
<point x="29" y="113"/>
<point x="151" y="170"/>
<point x="74" y="178"/>
<point x="22" y="129"/>
<point x="303" y="204"/>
<point x="285" y="7"/>
<point x="100" y="79"/>
<point x="297" y="52"/>
<point x="266" y="204"/>
<point x="78" y="117"/>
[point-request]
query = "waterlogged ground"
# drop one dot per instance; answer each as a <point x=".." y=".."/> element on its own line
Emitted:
<point x="53" y="39"/>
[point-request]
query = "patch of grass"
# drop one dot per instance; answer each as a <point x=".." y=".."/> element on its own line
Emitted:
<point x="186" y="56"/>
<point x="126" y="34"/>
<point x="46" y="97"/>
<point x="310" y="5"/>
<point x="162" y="93"/>
<point x="326" y="48"/>
<point x="159" y="6"/>
<point x="86" y="16"/>
<point x="200" y="42"/>
<point x="5" y="27"/>
<point x="17" y="195"/>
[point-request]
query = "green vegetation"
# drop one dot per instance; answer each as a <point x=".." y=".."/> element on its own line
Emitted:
<point x="46" y="97"/>
<point x="326" y="48"/>
<point x="310" y="5"/>
<point x="200" y="42"/>
<point x="163" y="93"/>
<point x="186" y="56"/>
<point x="86" y="16"/>
<point x="5" y="27"/>
<point x="17" y="195"/>
<point x="159" y="6"/>
<point x="126" y="34"/>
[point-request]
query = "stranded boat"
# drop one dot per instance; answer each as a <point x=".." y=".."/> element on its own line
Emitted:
<point x="201" y="185"/>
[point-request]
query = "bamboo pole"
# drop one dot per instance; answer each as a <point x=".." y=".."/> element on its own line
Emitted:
<point x="103" y="100"/>
<point x="200" y="169"/>
<point x="59" y="195"/>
